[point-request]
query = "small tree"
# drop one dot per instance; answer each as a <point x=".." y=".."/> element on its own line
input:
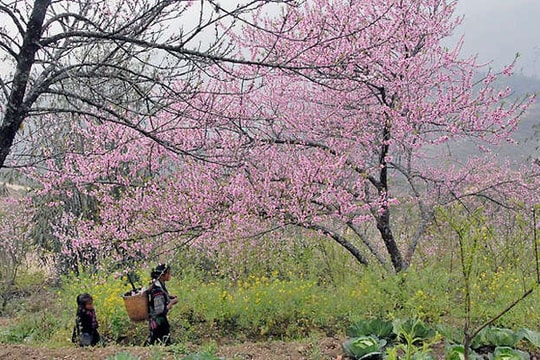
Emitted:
<point x="472" y="231"/>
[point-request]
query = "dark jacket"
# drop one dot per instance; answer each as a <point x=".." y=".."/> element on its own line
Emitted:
<point x="157" y="318"/>
<point x="85" y="331"/>
<point x="159" y="299"/>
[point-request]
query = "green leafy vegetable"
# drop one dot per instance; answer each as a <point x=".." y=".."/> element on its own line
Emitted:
<point x="531" y="336"/>
<point x="378" y="327"/>
<point x="493" y="336"/>
<point x="363" y="347"/>
<point x="507" y="353"/>
<point x="413" y="329"/>
<point x="422" y="356"/>
<point x="457" y="352"/>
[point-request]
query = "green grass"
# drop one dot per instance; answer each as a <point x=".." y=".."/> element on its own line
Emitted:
<point x="318" y="292"/>
<point x="278" y="306"/>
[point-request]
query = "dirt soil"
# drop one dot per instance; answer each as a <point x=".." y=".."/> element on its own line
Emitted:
<point x="324" y="349"/>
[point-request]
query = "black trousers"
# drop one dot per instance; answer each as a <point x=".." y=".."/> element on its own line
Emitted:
<point x="90" y="339"/>
<point x="160" y="332"/>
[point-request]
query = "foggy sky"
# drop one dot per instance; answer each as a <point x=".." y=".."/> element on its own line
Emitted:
<point x="495" y="30"/>
<point x="498" y="29"/>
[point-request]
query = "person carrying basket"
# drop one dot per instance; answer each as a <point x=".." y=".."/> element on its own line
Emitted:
<point x="159" y="304"/>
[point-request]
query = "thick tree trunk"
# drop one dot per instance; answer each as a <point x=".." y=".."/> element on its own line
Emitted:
<point x="383" y="214"/>
<point x="383" y="225"/>
<point x="16" y="110"/>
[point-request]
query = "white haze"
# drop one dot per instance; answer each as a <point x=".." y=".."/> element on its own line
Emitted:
<point x="496" y="30"/>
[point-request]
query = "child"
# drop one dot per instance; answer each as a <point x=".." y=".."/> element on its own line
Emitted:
<point x="86" y="324"/>
<point x="159" y="305"/>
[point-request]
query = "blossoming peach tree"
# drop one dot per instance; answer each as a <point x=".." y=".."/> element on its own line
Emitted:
<point x="352" y="130"/>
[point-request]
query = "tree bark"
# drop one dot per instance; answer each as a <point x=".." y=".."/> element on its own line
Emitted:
<point x="16" y="110"/>
<point x="383" y="225"/>
<point x="341" y="241"/>
<point x="383" y="214"/>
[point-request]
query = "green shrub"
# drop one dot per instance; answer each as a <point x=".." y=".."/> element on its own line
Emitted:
<point x="32" y="328"/>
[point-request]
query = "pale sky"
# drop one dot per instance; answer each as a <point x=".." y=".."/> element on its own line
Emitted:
<point x="498" y="29"/>
<point x="495" y="30"/>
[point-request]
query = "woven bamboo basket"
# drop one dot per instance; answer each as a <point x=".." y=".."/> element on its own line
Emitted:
<point x="136" y="305"/>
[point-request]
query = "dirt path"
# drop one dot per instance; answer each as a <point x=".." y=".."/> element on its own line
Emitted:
<point x="323" y="349"/>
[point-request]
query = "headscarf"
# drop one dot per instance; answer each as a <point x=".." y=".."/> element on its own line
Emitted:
<point x="159" y="270"/>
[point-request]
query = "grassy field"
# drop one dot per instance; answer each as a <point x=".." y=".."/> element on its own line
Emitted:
<point x="305" y="310"/>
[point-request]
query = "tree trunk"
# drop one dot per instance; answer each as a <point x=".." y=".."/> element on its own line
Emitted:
<point x="383" y="225"/>
<point x="383" y="214"/>
<point x="16" y="110"/>
<point x="341" y="241"/>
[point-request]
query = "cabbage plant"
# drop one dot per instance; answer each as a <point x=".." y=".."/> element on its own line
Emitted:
<point x="457" y="352"/>
<point x="364" y="347"/>
<point x="494" y="336"/>
<point x="378" y="327"/>
<point x="507" y="353"/>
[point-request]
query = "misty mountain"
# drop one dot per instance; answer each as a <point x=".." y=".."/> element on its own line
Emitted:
<point x="528" y="133"/>
<point x="525" y="142"/>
